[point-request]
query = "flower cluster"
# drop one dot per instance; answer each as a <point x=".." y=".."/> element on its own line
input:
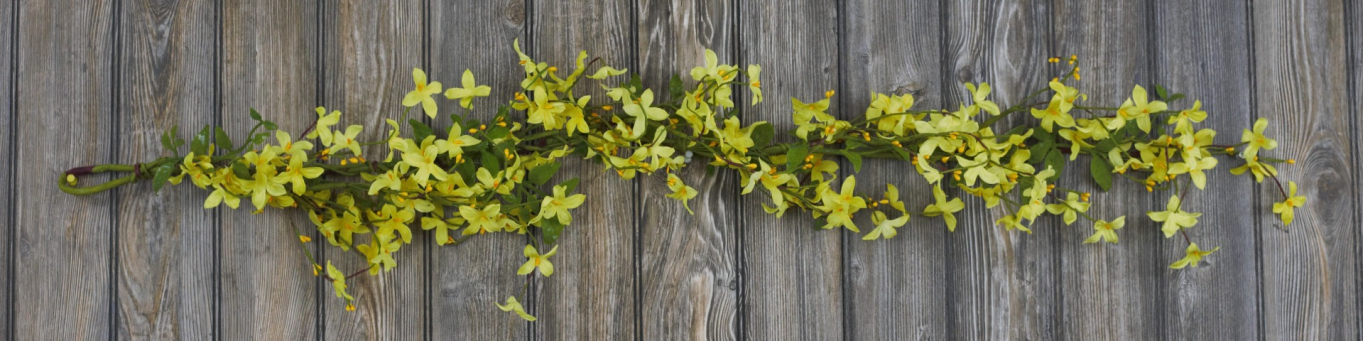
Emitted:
<point x="495" y="177"/>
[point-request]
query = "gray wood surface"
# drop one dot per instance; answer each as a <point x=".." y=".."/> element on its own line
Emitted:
<point x="369" y="50"/>
<point x="1001" y="284"/>
<point x="792" y="270"/>
<point x="270" y="56"/>
<point x="7" y="120"/>
<point x="1310" y="274"/>
<point x="97" y="82"/>
<point x="165" y="240"/>
<point x="593" y="292"/>
<point x="63" y="275"/>
<point x="468" y="279"/>
<point x="688" y="262"/>
<point x="894" y="284"/>
<point x="1110" y="291"/>
<point x="1201" y="49"/>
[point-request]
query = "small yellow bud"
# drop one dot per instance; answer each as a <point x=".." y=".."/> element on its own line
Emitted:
<point x="349" y="307"/>
<point x="304" y="239"/>
<point x="607" y="107"/>
<point x="945" y="159"/>
<point x="752" y="166"/>
<point x="885" y="201"/>
<point x="520" y="96"/>
<point x="473" y="130"/>
<point x="828" y="94"/>
<point x="501" y="124"/>
<point x="316" y="270"/>
<point x="1149" y="189"/>
<point x="71" y="179"/>
<point x="1230" y="150"/>
<point x="553" y="69"/>
<point x="1291" y="161"/>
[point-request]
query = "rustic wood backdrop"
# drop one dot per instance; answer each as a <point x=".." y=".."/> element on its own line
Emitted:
<point x="96" y="82"/>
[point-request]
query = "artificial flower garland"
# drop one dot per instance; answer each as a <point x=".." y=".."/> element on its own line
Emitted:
<point x="494" y="177"/>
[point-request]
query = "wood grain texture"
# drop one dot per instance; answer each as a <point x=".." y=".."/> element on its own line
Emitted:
<point x="688" y="267"/>
<point x="468" y="279"/>
<point x="269" y="56"/>
<point x="369" y="50"/>
<point x="1354" y="25"/>
<point x="8" y="120"/>
<point x="1309" y="268"/>
<point x="894" y="285"/>
<point x="1003" y="284"/>
<point x="792" y="270"/>
<point x="1110" y="291"/>
<point x="165" y="240"/>
<point x="63" y="266"/>
<point x="593" y="293"/>
<point x="1201" y="47"/>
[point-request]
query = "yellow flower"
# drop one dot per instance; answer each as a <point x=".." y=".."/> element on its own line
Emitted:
<point x="1052" y="116"/>
<point x="1184" y="120"/>
<point x="1258" y="169"/>
<point x="484" y="220"/>
<point x="322" y="128"/>
<point x="1194" y="170"/>
<point x="945" y="208"/>
<point x="338" y="281"/>
<point x="1193" y="256"/>
<point x="1256" y="139"/>
<point x="1174" y="217"/>
<point x="558" y="205"/>
<point x="544" y="112"/>
<point x="219" y="196"/>
<point x="422" y="93"/>
<point x="537" y="261"/>
<point x="680" y="191"/>
<point x="392" y="180"/>
<point x="297" y="175"/>
<point x="1293" y="201"/>
<point x="288" y="147"/>
<point x="1106" y="231"/>
<point x="885" y="227"/>
<point x="1070" y="207"/>
<point x="755" y="83"/>
<point x="841" y="205"/>
<point x="470" y="90"/>
<point x="771" y="180"/>
<point x="424" y="162"/>
<point x="346" y="139"/>
<point x="979" y="95"/>
<point x="513" y="305"/>
<point x="456" y="141"/>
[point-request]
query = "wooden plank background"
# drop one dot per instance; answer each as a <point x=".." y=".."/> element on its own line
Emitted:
<point x="97" y="81"/>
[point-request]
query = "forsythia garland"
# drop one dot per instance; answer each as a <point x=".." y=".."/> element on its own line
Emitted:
<point x="482" y="177"/>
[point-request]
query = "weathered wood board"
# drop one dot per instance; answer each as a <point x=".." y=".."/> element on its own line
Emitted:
<point x="165" y="251"/>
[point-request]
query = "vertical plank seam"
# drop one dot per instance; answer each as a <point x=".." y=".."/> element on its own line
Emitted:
<point x="319" y="323"/>
<point x="1152" y="200"/>
<point x="531" y="301"/>
<point x="216" y="313"/>
<point x="636" y="184"/>
<point x="945" y="78"/>
<point x="427" y="305"/>
<point x="1057" y="240"/>
<point x="13" y="231"/>
<point x="115" y="87"/>
<point x="1350" y="29"/>
<point x="1257" y="211"/>
<point x="740" y="217"/>
<point x="840" y="30"/>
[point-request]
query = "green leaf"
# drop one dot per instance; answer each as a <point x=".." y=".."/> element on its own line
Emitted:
<point x="1102" y="172"/>
<point x="1043" y="135"/>
<point x="570" y="185"/>
<point x="636" y="85"/>
<point x="162" y="174"/>
<point x="903" y="154"/>
<point x="199" y="145"/>
<point x="761" y="135"/>
<point x="795" y="156"/>
<point x="1039" y="151"/>
<point x="1106" y="145"/>
<point x="674" y="87"/>
<point x="419" y="130"/>
<point x="255" y="115"/>
<point x="166" y="142"/>
<point x="550" y="229"/>
<point x="270" y="125"/>
<point x="855" y="159"/>
<point x="239" y="169"/>
<point x="223" y="141"/>
<point x="1174" y="97"/>
<point x="1056" y="159"/>
<point x="541" y="174"/>
<point x="497" y="133"/>
<point x="492" y="163"/>
<point x="1163" y="93"/>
